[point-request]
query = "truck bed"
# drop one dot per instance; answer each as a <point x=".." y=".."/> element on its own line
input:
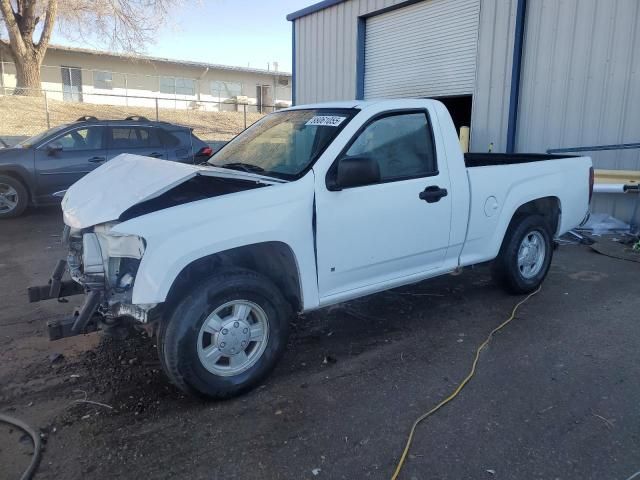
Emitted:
<point x="486" y="159"/>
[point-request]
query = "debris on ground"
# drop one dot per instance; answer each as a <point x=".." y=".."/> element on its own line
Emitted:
<point x="602" y="224"/>
<point x="56" y="357"/>
<point x="329" y="359"/>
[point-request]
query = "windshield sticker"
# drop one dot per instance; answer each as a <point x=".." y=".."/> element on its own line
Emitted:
<point x="326" y="120"/>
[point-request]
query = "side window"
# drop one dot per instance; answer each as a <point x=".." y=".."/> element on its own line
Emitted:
<point x="134" y="137"/>
<point x="89" y="138"/>
<point x="401" y="144"/>
<point x="176" y="138"/>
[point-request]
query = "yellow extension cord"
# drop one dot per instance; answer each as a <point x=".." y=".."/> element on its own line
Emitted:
<point x="459" y="387"/>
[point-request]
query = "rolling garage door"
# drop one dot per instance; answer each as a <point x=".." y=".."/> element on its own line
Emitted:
<point x="424" y="50"/>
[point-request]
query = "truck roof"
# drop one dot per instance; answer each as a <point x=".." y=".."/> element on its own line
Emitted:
<point x="361" y="104"/>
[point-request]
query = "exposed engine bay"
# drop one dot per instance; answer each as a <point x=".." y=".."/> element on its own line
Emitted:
<point x="194" y="189"/>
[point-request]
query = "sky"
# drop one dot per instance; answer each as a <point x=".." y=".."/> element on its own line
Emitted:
<point x="241" y="33"/>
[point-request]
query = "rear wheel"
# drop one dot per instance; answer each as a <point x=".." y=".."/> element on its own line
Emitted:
<point x="14" y="197"/>
<point x="525" y="255"/>
<point x="226" y="336"/>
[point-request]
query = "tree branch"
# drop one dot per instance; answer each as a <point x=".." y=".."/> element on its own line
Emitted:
<point x="27" y="20"/>
<point x="49" y="21"/>
<point x="15" y="36"/>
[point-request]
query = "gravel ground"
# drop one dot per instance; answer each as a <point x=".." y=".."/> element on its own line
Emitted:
<point x="556" y="395"/>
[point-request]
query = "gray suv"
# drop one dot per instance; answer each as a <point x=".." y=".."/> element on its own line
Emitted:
<point x="38" y="170"/>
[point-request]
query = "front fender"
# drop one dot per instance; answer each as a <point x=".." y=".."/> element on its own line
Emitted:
<point x="178" y="236"/>
<point x="22" y="169"/>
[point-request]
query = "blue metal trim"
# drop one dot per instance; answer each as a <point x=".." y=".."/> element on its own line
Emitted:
<point x="516" y="70"/>
<point x="330" y="3"/>
<point x="595" y="148"/>
<point x="390" y="8"/>
<point x="316" y="7"/>
<point x="362" y="30"/>
<point x="293" y="63"/>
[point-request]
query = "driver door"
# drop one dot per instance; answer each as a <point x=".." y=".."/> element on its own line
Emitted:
<point x="370" y="236"/>
<point x="67" y="158"/>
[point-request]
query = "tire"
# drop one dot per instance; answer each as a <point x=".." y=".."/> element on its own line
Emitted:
<point x="526" y="236"/>
<point x="14" y="197"/>
<point x="226" y="355"/>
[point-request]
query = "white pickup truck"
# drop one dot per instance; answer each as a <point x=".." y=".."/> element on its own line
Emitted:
<point x="311" y="206"/>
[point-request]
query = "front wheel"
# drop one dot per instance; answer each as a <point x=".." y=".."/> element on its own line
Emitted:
<point x="226" y="335"/>
<point x="525" y="255"/>
<point x="13" y="197"/>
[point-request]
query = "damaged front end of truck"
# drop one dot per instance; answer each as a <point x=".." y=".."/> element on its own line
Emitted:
<point x="102" y="262"/>
<point x="102" y="265"/>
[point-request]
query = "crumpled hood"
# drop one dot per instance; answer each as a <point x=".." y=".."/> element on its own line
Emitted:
<point x="108" y="191"/>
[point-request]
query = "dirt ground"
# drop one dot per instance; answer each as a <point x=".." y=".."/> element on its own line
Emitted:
<point x="556" y="395"/>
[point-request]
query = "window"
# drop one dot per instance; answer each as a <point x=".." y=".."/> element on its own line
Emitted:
<point x="177" y="85"/>
<point x="168" y="85"/>
<point x="175" y="138"/>
<point x="284" y="144"/>
<point x="185" y="86"/>
<point x="103" y="80"/>
<point x="263" y="97"/>
<point x="90" y="138"/>
<point x="71" y="84"/>
<point x="221" y="89"/>
<point x="134" y="137"/>
<point x="402" y="145"/>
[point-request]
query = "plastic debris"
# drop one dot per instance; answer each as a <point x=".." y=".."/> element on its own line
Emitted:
<point x="603" y="223"/>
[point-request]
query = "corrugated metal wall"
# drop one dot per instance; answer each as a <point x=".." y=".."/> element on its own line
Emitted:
<point x="490" y="109"/>
<point x="580" y="79"/>
<point x="425" y="49"/>
<point x="581" y="83"/>
<point x="326" y="43"/>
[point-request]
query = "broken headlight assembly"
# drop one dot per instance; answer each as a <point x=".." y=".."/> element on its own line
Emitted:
<point x="103" y="259"/>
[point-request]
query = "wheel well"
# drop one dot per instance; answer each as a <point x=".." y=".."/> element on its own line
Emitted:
<point x="547" y="207"/>
<point x="274" y="260"/>
<point x="17" y="177"/>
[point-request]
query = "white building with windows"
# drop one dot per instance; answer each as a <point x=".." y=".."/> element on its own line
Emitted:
<point x="80" y="75"/>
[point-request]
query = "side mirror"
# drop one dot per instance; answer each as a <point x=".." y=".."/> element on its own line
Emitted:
<point x="356" y="172"/>
<point x="54" y="148"/>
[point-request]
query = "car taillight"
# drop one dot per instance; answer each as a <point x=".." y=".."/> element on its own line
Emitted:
<point x="591" y="179"/>
<point x="205" y="152"/>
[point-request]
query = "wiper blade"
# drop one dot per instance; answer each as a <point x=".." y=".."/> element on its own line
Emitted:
<point x="247" y="167"/>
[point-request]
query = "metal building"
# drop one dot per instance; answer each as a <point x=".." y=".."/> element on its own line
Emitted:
<point x="525" y="75"/>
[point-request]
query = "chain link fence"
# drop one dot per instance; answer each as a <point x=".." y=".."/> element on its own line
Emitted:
<point x="22" y="116"/>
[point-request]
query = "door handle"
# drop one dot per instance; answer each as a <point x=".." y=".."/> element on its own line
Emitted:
<point x="156" y="154"/>
<point x="433" y="194"/>
<point x="97" y="159"/>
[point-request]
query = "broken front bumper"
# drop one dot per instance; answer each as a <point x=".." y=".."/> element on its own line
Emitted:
<point x="98" y="307"/>
<point x="80" y="321"/>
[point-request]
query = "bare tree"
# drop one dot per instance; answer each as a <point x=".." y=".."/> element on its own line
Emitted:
<point x="21" y="24"/>
<point x="120" y="25"/>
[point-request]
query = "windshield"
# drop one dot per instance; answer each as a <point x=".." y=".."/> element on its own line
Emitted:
<point x="29" y="142"/>
<point x="283" y="144"/>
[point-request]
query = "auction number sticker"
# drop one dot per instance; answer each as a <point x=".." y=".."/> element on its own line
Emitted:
<point x="326" y="120"/>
